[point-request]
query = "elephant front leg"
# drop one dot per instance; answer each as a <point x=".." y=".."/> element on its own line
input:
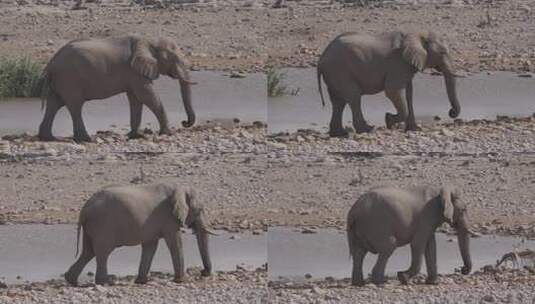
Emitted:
<point x="431" y="261"/>
<point x="145" y="93"/>
<point x="174" y="242"/>
<point x="397" y="99"/>
<point x="410" y="123"/>
<point x="357" y="278"/>
<point x="147" y="254"/>
<point x="136" y="112"/>
<point x="417" y="253"/>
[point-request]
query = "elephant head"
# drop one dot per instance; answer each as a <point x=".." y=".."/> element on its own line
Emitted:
<point x="427" y="51"/>
<point x="454" y="212"/>
<point x="163" y="57"/>
<point x="196" y="220"/>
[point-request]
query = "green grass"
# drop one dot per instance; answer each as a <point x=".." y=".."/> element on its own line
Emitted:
<point x="275" y="83"/>
<point x="19" y="77"/>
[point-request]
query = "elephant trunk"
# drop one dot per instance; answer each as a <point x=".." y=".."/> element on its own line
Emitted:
<point x="185" y="89"/>
<point x="463" y="238"/>
<point x="202" y="242"/>
<point x="451" y="88"/>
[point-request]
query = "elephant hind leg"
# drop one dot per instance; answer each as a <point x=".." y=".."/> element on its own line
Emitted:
<point x="359" y="123"/>
<point x="336" y="127"/>
<point x="53" y="104"/>
<point x="80" y="132"/>
<point x="71" y="276"/>
<point x="102" y="249"/>
<point x="357" y="277"/>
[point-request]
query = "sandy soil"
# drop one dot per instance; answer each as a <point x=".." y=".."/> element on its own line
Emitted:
<point x="249" y="35"/>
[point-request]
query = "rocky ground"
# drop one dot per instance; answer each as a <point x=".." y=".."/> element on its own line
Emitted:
<point x="249" y="180"/>
<point x="223" y="287"/>
<point x="250" y="35"/>
<point x="502" y="286"/>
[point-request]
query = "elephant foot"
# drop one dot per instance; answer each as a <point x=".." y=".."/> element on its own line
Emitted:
<point x="71" y="279"/>
<point x="141" y="280"/>
<point x="47" y="137"/>
<point x="165" y="131"/>
<point x="403" y="277"/>
<point x="390" y="120"/>
<point x="338" y="133"/>
<point x="82" y="138"/>
<point x="178" y="279"/>
<point x="365" y="128"/>
<point x="431" y="281"/>
<point x="206" y="273"/>
<point x="107" y="280"/>
<point x="358" y="283"/>
<point x="379" y="281"/>
<point x="135" y="135"/>
<point x="412" y="127"/>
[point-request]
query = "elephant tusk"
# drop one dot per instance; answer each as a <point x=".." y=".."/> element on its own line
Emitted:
<point x="210" y="232"/>
<point x="188" y="81"/>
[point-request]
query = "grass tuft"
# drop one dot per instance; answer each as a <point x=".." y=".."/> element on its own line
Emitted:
<point x="275" y="83"/>
<point x="20" y="77"/>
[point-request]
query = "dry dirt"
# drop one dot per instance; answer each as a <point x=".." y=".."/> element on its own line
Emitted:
<point x="250" y="35"/>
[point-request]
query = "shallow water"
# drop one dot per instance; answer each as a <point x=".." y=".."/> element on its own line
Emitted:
<point x="292" y="254"/>
<point x="42" y="252"/>
<point x="480" y="95"/>
<point x="215" y="97"/>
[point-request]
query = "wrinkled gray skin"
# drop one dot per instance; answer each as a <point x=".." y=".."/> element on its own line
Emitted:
<point x="89" y="69"/>
<point x="354" y="65"/>
<point x="131" y="215"/>
<point x="387" y="217"/>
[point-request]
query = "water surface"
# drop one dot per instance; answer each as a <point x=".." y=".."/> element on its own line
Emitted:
<point x="215" y="97"/>
<point x="481" y="96"/>
<point x="292" y="254"/>
<point x="41" y="252"/>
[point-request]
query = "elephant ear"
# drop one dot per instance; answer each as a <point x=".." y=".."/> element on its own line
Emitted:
<point x="414" y="52"/>
<point x="180" y="207"/>
<point x="143" y="61"/>
<point x="446" y="199"/>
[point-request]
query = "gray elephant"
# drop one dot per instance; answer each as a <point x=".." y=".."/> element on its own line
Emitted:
<point x="388" y="217"/>
<point x="131" y="215"/>
<point x="354" y="64"/>
<point x="89" y="69"/>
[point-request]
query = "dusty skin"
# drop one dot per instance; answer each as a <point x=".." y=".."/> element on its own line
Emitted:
<point x="249" y="35"/>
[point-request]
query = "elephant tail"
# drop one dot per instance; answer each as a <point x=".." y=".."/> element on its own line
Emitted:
<point x="78" y="228"/>
<point x="78" y="238"/>
<point x="319" y="85"/>
<point x="350" y="236"/>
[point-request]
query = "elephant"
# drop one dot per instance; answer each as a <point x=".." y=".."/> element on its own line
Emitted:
<point x="388" y="217"/>
<point x="139" y="214"/>
<point x="353" y="65"/>
<point x="87" y="69"/>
